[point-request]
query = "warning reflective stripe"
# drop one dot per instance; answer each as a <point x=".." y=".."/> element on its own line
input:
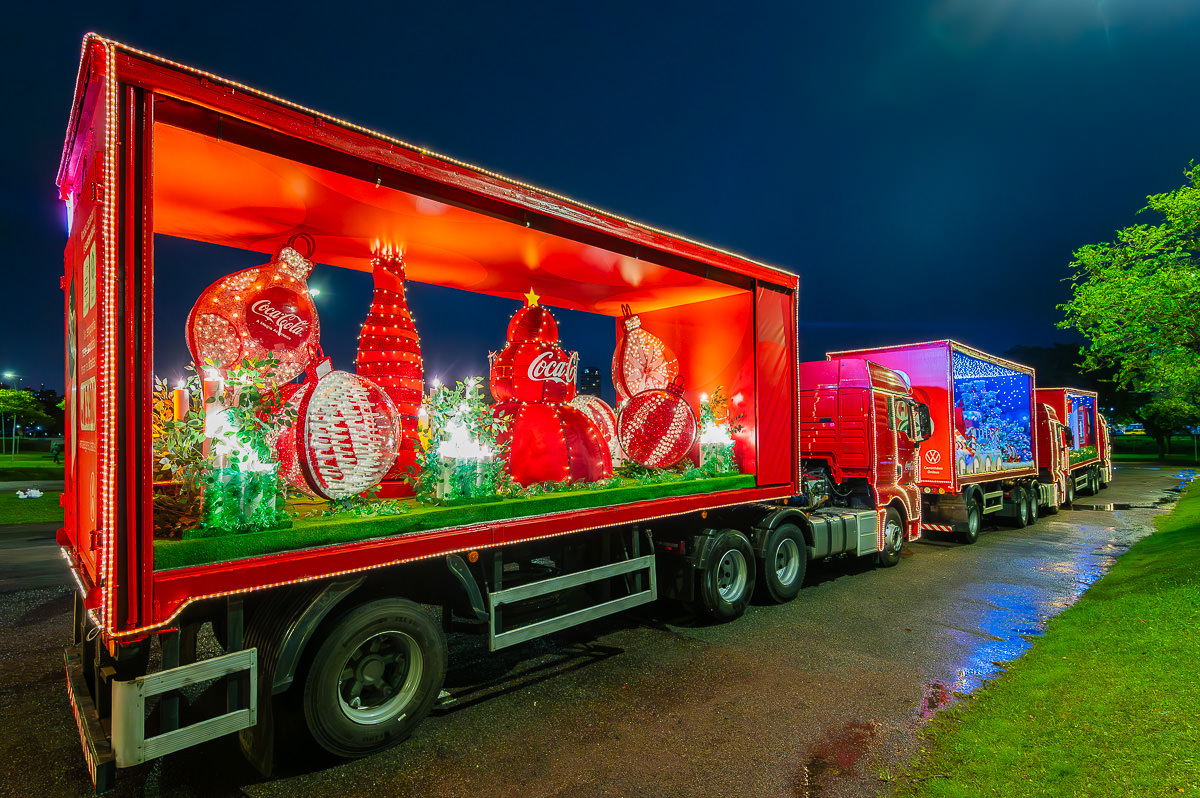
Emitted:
<point x="938" y="527"/>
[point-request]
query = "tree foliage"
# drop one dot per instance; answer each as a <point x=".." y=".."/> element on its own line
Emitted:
<point x="1137" y="299"/>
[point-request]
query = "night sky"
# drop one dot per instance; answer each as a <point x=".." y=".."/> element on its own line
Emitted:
<point x="926" y="166"/>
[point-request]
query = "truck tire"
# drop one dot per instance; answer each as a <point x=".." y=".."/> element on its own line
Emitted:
<point x="783" y="564"/>
<point x="893" y="539"/>
<point x="1033" y="493"/>
<point x="970" y="531"/>
<point x="1069" y="499"/>
<point x="374" y="677"/>
<point x="727" y="577"/>
<point x="1021" y="507"/>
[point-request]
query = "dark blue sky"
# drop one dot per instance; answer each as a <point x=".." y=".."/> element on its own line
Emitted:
<point x="926" y="166"/>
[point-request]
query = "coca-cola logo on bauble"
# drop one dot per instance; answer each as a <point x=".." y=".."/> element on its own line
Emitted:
<point x="278" y="317"/>
<point x="551" y="366"/>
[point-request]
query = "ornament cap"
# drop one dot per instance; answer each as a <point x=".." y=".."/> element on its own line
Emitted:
<point x="675" y="386"/>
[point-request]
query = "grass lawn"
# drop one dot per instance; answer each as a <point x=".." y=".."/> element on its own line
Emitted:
<point x="1142" y="447"/>
<point x="26" y="466"/>
<point x="44" y="509"/>
<point x="1104" y="703"/>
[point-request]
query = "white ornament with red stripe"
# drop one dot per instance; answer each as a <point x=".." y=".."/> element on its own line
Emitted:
<point x="345" y="437"/>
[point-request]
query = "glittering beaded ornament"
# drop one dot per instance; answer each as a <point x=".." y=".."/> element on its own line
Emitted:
<point x="657" y="428"/>
<point x="641" y="361"/>
<point x="389" y="353"/>
<point x="258" y="312"/>
<point x="345" y="436"/>
<point x="533" y="380"/>
<point x="602" y="416"/>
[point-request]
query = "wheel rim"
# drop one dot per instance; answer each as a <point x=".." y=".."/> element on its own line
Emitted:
<point x="893" y="536"/>
<point x="787" y="561"/>
<point x="973" y="521"/>
<point x="1023" y="509"/>
<point x="380" y="677"/>
<point x="731" y="576"/>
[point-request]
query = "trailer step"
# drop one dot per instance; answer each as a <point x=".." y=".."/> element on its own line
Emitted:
<point x="498" y="639"/>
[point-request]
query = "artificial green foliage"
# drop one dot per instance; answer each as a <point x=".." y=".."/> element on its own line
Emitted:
<point x="244" y="492"/>
<point x="1137" y="299"/>
<point x="203" y="546"/>
<point x="464" y="404"/>
<point x="244" y="501"/>
<point x="716" y="410"/>
<point x="1082" y="454"/>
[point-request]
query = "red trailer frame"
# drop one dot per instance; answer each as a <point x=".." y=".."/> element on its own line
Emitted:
<point x="151" y="148"/>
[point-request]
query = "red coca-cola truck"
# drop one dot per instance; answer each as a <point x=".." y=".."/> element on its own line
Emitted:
<point x="979" y="459"/>
<point x="235" y="498"/>
<point x="1079" y="454"/>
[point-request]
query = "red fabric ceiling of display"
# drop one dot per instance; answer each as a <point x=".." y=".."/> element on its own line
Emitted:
<point x="223" y="193"/>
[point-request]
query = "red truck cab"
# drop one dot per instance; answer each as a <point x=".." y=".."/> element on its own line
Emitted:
<point x="860" y="430"/>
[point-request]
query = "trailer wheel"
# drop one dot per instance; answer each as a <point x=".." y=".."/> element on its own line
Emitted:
<point x="374" y="677"/>
<point x="1021" y="500"/>
<point x="783" y="564"/>
<point x="970" y="532"/>
<point x="1032" y="493"/>
<point x="727" y="578"/>
<point x="893" y="539"/>
<point x="1069" y="499"/>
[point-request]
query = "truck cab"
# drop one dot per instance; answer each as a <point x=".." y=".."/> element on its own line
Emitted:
<point x="860" y="430"/>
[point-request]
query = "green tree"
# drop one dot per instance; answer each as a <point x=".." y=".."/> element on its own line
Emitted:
<point x="21" y="405"/>
<point x="1137" y="302"/>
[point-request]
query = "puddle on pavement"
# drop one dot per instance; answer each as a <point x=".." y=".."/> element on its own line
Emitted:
<point x="836" y="754"/>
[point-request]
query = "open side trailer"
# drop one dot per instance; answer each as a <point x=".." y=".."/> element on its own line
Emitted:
<point x="158" y="153"/>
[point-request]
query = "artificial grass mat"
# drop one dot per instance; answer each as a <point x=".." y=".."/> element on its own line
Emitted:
<point x="202" y="546"/>
<point x="1104" y="704"/>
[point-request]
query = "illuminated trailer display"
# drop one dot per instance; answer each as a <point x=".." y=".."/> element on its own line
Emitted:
<point x="1085" y="465"/>
<point x="308" y="506"/>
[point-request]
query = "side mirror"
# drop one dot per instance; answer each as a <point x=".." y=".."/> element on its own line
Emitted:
<point x="924" y="424"/>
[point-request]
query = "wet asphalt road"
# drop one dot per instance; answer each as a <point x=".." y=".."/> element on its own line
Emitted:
<point x="814" y="698"/>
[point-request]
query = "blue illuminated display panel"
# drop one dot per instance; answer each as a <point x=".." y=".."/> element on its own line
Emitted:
<point x="991" y="413"/>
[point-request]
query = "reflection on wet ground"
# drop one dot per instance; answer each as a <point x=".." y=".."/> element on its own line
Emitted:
<point x="1007" y="615"/>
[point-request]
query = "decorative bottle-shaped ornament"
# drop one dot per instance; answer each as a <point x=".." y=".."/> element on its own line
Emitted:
<point x="533" y="381"/>
<point x="389" y="353"/>
<point x="256" y="313"/>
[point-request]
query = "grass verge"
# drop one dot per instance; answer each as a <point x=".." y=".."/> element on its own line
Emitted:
<point x="1104" y="703"/>
<point x="43" y="510"/>
<point x="31" y="466"/>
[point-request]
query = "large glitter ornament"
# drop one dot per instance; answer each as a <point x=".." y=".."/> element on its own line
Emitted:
<point x="641" y="361"/>
<point x="603" y="416"/>
<point x="389" y="353"/>
<point x="345" y="435"/>
<point x="657" y="427"/>
<point x="258" y="313"/>
<point x="532" y="381"/>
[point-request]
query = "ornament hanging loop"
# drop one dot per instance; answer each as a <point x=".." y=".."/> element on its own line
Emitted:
<point x="310" y="246"/>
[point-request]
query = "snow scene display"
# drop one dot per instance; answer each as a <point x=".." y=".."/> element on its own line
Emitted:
<point x="991" y="416"/>
<point x="533" y="382"/>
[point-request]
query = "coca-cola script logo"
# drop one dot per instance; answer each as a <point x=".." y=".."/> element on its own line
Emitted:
<point x="278" y="317"/>
<point x="550" y="366"/>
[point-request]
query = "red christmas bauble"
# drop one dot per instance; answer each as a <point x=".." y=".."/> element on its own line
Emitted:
<point x="641" y="361"/>
<point x="255" y="313"/>
<point x="657" y="428"/>
<point x="553" y="443"/>
<point x="345" y="436"/>
<point x="603" y="416"/>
